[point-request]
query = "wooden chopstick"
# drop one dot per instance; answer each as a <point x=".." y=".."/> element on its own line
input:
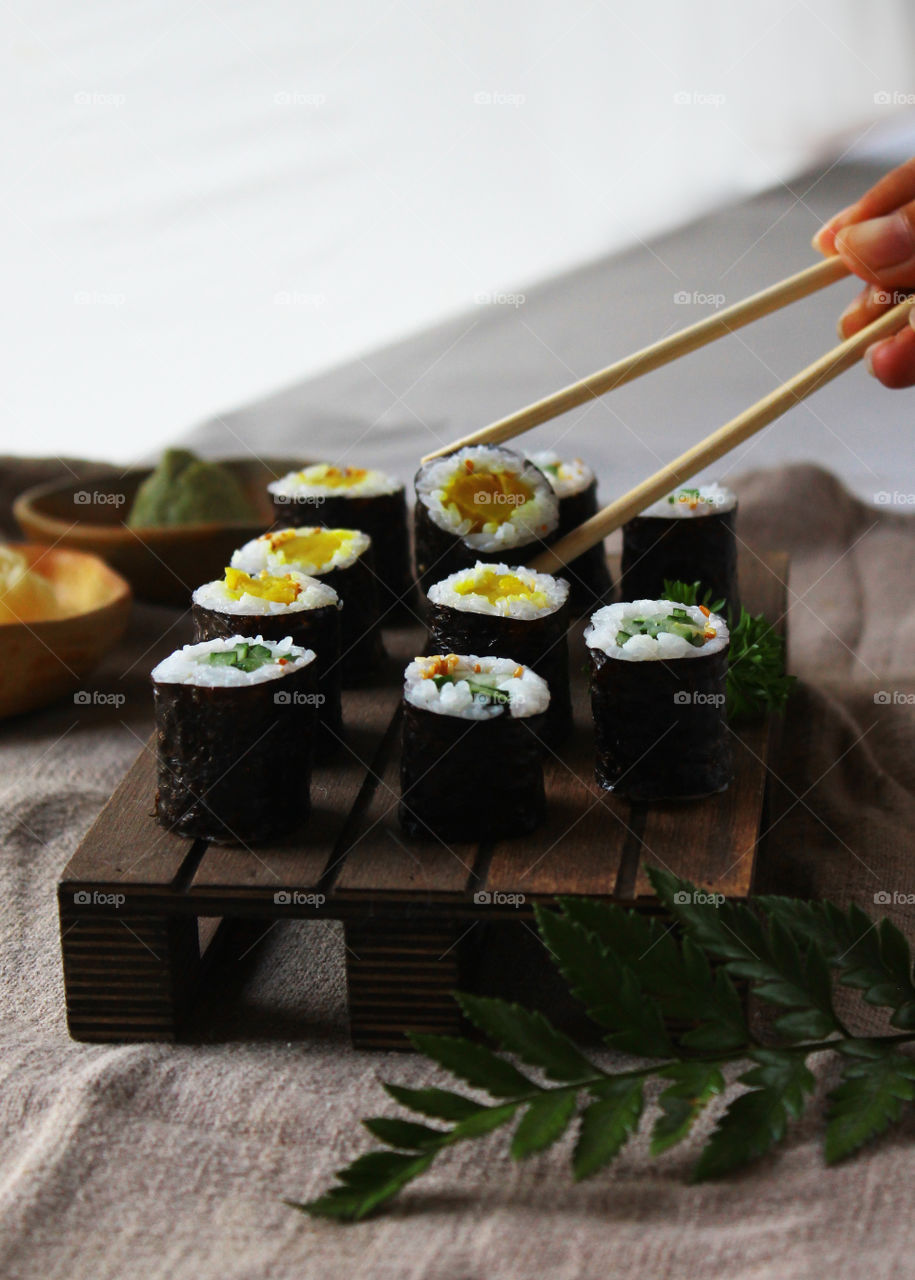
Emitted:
<point x="720" y="442"/>
<point x="659" y="353"/>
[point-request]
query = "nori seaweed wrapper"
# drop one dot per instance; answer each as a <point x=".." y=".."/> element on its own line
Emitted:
<point x="438" y="553"/>
<point x="361" y="646"/>
<point x="317" y="629"/>
<point x="382" y="516"/>
<point x="684" y="549"/>
<point x="539" y="643"/>
<point x="590" y="584"/>
<point x="234" y="763"/>
<point x="660" y="726"/>
<point x="470" y="780"/>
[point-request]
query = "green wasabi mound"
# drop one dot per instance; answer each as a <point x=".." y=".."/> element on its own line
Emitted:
<point x="185" y="489"/>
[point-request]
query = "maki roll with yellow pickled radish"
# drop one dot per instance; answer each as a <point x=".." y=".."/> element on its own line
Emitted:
<point x="689" y="536"/>
<point x="471" y="763"/>
<point x="497" y="609"/>
<point x="235" y="721"/>
<point x="480" y="503"/>
<point x="354" y="498"/>
<point x="658" y="674"/>
<point x="342" y="559"/>
<point x="575" y="485"/>
<point x="277" y="605"/>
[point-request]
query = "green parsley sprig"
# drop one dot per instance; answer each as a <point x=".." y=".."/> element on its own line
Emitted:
<point x="757" y="682"/>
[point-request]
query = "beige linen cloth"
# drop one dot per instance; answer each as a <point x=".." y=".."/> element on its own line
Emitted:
<point x="173" y="1161"/>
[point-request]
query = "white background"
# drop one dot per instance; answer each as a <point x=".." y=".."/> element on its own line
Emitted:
<point x="202" y="201"/>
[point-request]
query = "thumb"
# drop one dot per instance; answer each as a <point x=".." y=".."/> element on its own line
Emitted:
<point x="881" y="250"/>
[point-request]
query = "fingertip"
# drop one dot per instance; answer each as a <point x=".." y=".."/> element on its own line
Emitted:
<point x="892" y="361"/>
<point x="825" y="239"/>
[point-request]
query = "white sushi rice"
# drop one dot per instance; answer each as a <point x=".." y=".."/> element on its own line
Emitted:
<point x="266" y="552"/>
<point x="566" y="476"/>
<point x="189" y="665"/>
<point x="518" y="522"/>
<point x="310" y="482"/>
<point x="528" y="693"/>
<point x="713" y="499"/>
<point x="607" y="622"/>
<point x="447" y="593"/>
<point x="312" y="595"/>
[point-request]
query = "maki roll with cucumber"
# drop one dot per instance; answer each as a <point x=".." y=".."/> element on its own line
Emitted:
<point x="497" y="609"/>
<point x="658" y="675"/>
<point x="575" y="485"/>
<point x="342" y="559"/>
<point x="354" y="498"/>
<point x="277" y="605"/>
<point x="471" y="763"/>
<point x="234" y="735"/>
<point x="688" y="536"/>
<point x="480" y="503"/>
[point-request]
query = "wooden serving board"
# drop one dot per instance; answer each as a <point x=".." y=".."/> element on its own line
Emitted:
<point x="142" y="910"/>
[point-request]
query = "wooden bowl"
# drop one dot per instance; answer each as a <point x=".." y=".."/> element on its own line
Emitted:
<point x="43" y="661"/>
<point x="162" y="564"/>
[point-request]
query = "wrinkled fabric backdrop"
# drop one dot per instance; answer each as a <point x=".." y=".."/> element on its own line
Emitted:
<point x="173" y="1161"/>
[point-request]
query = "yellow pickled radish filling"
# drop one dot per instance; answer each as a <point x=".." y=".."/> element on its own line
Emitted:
<point x="498" y="587"/>
<point x="266" y="586"/>
<point x="329" y="477"/>
<point x="25" y="596"/>
<point x="310" y="550"/>
<point x="485" y="497"/>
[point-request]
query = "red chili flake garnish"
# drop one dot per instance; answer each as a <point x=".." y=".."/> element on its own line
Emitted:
<point x="468" y="463"/>
<point x="702" y="609"/>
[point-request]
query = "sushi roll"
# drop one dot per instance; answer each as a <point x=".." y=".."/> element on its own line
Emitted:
<point x="658" y="673"/>
<point x="271" y="605"/>
<point x="480" y="503"/>
<point x="495" y="609"/>
<point x="575" y="485"/>
<point x="342" y="559"/>
<point x="354" y="498"/>
<point x="471" y="765"/>
<point x="234" y="733"/>
<point x="688" y="536"/>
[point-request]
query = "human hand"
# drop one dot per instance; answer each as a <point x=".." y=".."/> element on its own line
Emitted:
<point x="875" y="237"/>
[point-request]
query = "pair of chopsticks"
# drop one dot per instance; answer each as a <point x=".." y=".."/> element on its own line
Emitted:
<point x="720" y="442"/>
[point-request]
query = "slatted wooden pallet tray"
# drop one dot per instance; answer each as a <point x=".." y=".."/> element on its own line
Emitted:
<point x="142" y="911"/>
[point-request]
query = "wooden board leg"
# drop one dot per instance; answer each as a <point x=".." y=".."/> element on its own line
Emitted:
<point x="400" y="974"/>
<point x="127" y="977"/>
